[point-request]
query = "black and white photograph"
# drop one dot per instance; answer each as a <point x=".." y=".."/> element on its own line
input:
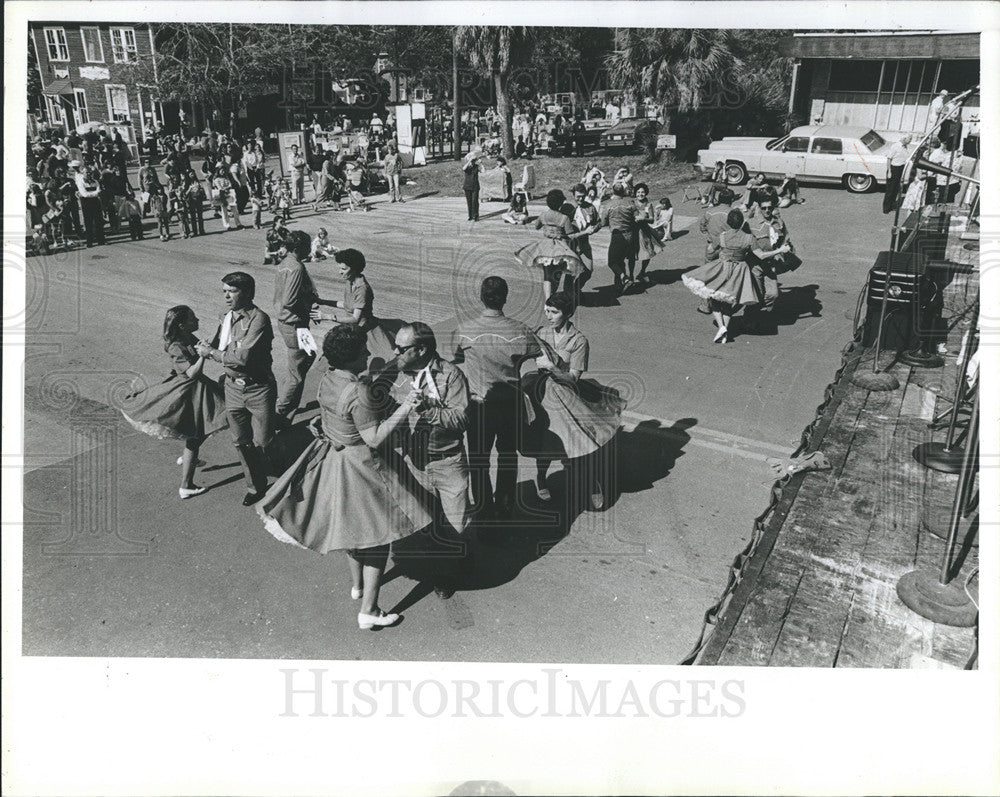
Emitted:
<point x="605" y="387"/>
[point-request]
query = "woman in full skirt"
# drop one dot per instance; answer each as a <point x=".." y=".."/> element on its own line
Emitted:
<point x="574" y="417"/>
<point x="342" y="494"/>
<point x="727" y="283"/>
<point x="187" y="405"/>
<point x="553" y="254"/>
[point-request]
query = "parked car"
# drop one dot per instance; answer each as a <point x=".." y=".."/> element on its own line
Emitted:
<point x="563" y="141"/>
<point x="630" y="133"/>
<point x="853" y="156"/>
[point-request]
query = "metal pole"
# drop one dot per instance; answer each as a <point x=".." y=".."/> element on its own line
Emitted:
<point x="456" y="116"/>
<point x="949" y="440"/>
<point x="971" y="450"/>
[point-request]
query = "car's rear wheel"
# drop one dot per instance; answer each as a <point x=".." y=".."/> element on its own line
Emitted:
<point x="859" y="183"/>
<point x="736" y="173"/>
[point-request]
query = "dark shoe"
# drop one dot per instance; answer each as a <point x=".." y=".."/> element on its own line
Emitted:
<point x="703" y="310"/>
<point x="252" y="498"/>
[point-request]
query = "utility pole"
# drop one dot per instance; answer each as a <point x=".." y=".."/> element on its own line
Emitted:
<point x="456" y="116"/>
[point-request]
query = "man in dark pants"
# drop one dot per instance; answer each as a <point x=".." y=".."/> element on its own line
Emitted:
<point x="618" y="215"/>
<point x="490" y="350"/>
<point x="89" y="190"/>
<point x="242" y="345"/>
<point x="896" y="162"/>
<point x="471" y="184"/>
<point x="294" y="294"/>
<point x="438" y="432"/>
<point x="769" y="233"/>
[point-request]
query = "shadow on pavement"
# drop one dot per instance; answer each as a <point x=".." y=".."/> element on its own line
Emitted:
<point x="497" y="550"/>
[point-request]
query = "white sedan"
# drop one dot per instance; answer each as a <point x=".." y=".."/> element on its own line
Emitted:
<point x="853" y="156"/>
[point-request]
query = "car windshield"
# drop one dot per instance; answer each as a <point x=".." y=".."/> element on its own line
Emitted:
<point x="872" y="140"/>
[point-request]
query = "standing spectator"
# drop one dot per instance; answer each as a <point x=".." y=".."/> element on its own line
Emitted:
<point x="111" y="194"/>
<point x="294" y="295"/>
<point x="490" y="350"/>
<point x="937" y="108"/>
<point x="221" y="198"/>
<point x="297" y="166"/>
<point x="470" y="185"/>
<point x="89" y="190"/>
<point x="177" y="197"/>
<point x="160" y="205"/>
<point x="241" y="187"/>
<point x="375" y="124"/>
<point x="896" y="161"/>
<point x="132" y="212"/>
<point x="393" y="168"/>
<point x="576" y="138"/>
<point x="253" y="162"/>
<point x="194" y="194"/>
<point x="242" y="345"/>
<point x="149" y="183"/>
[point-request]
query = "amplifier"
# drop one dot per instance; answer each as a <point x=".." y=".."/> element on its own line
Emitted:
<point x="910" y="291"/>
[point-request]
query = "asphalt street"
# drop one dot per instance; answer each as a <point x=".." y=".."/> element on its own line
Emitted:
<point x="115" y="564"/>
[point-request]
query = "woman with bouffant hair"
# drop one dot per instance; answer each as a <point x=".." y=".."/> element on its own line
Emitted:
<point x="341" y="495"/>
<point x="574" y="417"/>
<point x="187" y="405"/>
<point x="357" y="309"/>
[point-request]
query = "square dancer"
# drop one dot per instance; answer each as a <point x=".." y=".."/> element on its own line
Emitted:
<point x="242" y="344"/>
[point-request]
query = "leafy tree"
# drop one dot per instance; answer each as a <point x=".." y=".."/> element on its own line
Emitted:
<point x="705" y="78"/>
<point x="498" y="50"/>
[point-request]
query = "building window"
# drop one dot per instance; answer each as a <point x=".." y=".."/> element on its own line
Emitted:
<point x="117" y="97"/>
<point x="55" y="41"/>
<point x="93" y="49"/>
<point x="855" y="75"/>
<point x="123" y="45"/>
<point x="83" y="115"/>
<point x="958" y="76"/>
<point x="55" y="111"/>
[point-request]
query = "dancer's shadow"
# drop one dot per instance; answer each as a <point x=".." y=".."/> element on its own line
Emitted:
<point x="498" y="550"/>
<point x="604" y="296"/>
<point x="667" y="276"/>
<point x="799" y="301"/>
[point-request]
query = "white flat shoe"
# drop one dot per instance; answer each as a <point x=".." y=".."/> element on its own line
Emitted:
<point x="198" y="463"/>
<point x="720" y="335"/>
<point x="355" y="594"/>
<point x="191" y="492"/>
<point x="366" y="622"/>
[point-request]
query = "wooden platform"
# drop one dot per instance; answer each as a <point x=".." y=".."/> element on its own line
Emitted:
<point x="820" y="588"/>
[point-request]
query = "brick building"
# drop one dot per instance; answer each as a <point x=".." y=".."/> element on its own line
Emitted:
<point x="80" y="65"/>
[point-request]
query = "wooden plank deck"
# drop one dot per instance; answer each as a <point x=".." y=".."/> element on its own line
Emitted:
<point x="822" y="592"/>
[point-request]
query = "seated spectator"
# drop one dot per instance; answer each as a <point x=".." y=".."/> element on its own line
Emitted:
<point x="518" y="212"/>
<point x="788" y="191"/>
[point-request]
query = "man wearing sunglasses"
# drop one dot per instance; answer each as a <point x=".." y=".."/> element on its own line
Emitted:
<point x="437" y="426"/>
<point x="769" y="232"/>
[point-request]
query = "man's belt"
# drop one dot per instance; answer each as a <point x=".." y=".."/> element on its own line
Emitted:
<point x="245" y="381"/>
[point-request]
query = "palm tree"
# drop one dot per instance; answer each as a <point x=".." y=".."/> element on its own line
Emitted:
<point x="683" y="69"/>
<point x="497" y="50"/>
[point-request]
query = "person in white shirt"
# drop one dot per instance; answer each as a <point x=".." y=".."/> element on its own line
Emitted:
<point x="898" y="155"/>
<point x="89" y="190"/>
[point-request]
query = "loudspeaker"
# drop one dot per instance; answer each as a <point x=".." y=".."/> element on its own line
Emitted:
<point x="910" y="295"/>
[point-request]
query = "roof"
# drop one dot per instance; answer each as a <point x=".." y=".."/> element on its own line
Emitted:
<point x="59" y="86"/>
<point x="839" y="131"/>
<point x="882" y="44"/>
